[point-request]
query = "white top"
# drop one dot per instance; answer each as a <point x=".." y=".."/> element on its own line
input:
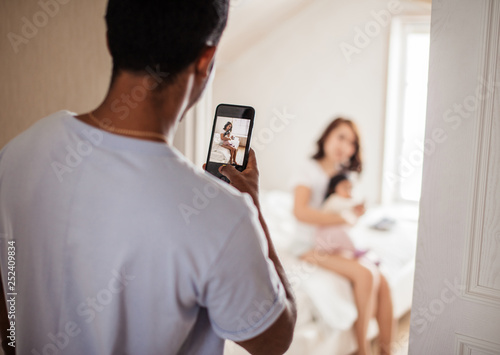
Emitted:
<point x="124" y="247"/>
<point x="312" y="176"/>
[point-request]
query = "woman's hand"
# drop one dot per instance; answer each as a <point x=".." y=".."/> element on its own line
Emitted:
<point x="359" y="210"/>
<point x="307" y="214"/>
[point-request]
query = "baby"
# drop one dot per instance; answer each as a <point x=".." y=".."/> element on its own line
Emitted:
<point x="338" y="199"/>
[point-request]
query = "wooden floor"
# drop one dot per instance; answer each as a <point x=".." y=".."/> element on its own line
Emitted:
<point x="240" y="154"/>
<point x="400" y="343"/>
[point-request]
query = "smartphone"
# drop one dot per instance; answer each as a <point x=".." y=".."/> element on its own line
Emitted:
<point x="230" y="139"/>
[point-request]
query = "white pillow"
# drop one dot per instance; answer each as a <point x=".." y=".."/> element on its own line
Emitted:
<point x="217" y="138"/>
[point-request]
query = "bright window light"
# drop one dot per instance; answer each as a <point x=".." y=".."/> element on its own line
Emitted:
<point x="413" y="119"/>
<point x="406" y="109"/>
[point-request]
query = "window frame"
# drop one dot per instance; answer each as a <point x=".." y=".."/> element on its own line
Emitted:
<point x="401" y="27"/>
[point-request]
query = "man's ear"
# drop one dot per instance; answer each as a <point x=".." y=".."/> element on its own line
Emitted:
<point x="205" y="61"/>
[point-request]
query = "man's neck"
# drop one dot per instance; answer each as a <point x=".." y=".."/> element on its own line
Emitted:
<point x="134" y="103"/>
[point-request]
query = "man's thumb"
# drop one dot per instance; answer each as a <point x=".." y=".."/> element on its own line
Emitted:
<point x="228" y="171"/>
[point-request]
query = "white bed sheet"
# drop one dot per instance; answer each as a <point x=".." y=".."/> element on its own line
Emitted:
<point x="220" y="154"/>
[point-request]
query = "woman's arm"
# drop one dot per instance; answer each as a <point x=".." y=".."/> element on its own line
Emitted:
<point x="304" y="213"/>
<point x="224" y="138"/>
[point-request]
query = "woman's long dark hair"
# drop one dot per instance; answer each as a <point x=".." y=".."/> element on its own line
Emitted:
<point x="228" y="132"/>
<point x="355" y="162"/>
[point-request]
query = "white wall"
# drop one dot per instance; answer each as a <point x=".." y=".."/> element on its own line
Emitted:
<point x="286" y="61"/>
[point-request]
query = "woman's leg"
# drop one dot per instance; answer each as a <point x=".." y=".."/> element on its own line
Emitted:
<point x="234" y="155"/>
<point x="364" y="279"/>
<point x="385" y="316"/>
<point x="231" y="149"/>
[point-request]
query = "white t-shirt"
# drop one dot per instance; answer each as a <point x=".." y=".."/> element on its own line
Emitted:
<point x="124" y="247"/>
<point x="311" y="175"/>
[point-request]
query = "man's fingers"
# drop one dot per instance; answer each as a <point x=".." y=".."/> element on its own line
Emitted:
<point x="228" y="171"/>
<point x="252" y="160"/>
<point x="204" y="166"/>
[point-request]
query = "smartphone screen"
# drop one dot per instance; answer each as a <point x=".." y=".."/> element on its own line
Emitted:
<point x="230" y="139"/>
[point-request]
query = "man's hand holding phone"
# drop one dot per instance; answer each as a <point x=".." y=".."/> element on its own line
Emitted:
<point x="246" y="180"/>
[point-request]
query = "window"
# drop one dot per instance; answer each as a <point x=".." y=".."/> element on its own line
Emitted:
<point x="406" y="109"/>
<point x="240" y="127"/>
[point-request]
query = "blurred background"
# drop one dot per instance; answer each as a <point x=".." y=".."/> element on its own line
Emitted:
<point x="300" y="63"/>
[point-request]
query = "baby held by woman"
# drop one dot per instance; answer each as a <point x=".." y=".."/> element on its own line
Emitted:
<point x="338" y="199"/>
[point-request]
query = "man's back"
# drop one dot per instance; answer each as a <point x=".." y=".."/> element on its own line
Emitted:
<point x="122" y="246"/>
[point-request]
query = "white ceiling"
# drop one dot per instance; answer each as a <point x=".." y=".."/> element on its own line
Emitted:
<point x="251" y="20"/>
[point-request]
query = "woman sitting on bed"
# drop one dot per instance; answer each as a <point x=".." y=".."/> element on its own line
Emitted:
<point x="339" y="150"/>
<point x="226" y="139"/>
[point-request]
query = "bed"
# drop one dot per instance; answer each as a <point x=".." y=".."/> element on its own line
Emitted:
<point x="326" y="308"/>
<point x="219" y="153"/>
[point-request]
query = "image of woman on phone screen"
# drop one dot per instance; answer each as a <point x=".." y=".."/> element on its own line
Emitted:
<point x="226" y="139"/>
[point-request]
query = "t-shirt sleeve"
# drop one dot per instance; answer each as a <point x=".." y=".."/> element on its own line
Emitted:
<point x="243" y="292"/>
<point x="304" y="176"/>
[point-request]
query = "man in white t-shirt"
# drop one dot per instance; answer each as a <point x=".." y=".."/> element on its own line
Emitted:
<point x="111" y="241"/>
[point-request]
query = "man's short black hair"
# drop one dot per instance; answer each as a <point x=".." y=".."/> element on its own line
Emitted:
<point x="165" y="35"/>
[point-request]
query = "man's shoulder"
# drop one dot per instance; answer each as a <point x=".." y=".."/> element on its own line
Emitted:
<point x="39" y="130"/>
<point x="209" y="190"/>
<point x="40" y="125"/>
